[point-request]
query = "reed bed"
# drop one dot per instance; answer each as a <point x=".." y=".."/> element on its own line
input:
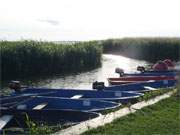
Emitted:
<point x="150" y="49"/>
<point x="34" y="58"/>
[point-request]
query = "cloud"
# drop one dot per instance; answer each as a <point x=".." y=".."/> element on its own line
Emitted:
<point x="52" y="22"/>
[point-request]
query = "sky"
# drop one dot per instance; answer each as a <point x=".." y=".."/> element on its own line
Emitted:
<point x="75" y="20"/>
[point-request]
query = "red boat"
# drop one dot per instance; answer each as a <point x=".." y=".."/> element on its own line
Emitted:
<point x="134" y="79"/>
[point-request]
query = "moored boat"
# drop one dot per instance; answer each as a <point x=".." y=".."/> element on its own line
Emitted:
<point x="142" y="78"/>
<point x="49" y="103"/>
<point x="146" y="73"/>
<point x="50" y="109"/>
<point x="153" y="83"/>
<point x="137" y="79"/>
<point x="80" y="94"/>
<point x="151" y="74"/>
<point x="18" y="117"/>
<point x="142" y="86"/>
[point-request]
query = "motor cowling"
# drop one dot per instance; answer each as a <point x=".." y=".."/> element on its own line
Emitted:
<point x="98" y="85"/>
<point x="141" y="69"/>
<point x="169" y="63"/>
<point x="160" y="66"/>
<point x="15" y="85"/>
<point x="120" y="71"/>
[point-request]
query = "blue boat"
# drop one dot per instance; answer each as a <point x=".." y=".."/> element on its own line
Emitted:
<point x="151" y="74"/>
<point x="17" y="117"/>
<point x="166" y="71"/>
<point x="142" y="86"/>
<point x="49" y="109"/>
<point x="155" y="71"/>
<point x="7" y="101"/>
<point x="55" y="103"/>
<point x="145" y="73"/>
<point x="122" y="97"/>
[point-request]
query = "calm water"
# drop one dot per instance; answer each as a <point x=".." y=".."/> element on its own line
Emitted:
<point x="84" y="80"/>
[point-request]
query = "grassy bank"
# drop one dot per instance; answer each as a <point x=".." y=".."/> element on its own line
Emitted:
<point x="162" y="119"/>
<point x="32" y="58"/>
<point x="150" y="49"/>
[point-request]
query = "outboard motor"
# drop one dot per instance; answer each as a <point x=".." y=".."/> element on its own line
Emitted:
<point x="141" y="69"/>
<point x="169" y="63"/>
<point x="98" y="85"/>
<point x="160" y="66"/>
<point x="15" y="85"/>
<point x="119" y="71"/>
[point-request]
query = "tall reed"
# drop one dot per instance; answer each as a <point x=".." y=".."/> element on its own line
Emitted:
<point x="33" y="58"/>
<point x="150" y="49"/>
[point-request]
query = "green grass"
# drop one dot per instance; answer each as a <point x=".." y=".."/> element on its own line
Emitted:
<point x="162" y="118"/>
<point x="151" y="94"/>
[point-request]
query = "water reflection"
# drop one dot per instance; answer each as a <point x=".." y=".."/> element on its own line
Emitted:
<point x="84" y="80"/>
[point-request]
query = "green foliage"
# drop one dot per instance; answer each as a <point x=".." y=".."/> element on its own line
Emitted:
<point x="33" y="58"/>
<point x="34" y="129"/>
<point x="151" y="94"/>
<point x="150" y="49"/>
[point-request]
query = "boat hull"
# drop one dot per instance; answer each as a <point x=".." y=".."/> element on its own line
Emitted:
<point x="140" y="87"/>
<point x="50" y="117"/>
<point x="85" y="94"/>
<point x="142" y="78"/>
<point x="51" y="103"/>
<point x="139" y="80"/>
<point x="151" y="73"/>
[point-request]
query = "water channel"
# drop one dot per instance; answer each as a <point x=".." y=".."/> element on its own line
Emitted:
<point x="84" y="80"/>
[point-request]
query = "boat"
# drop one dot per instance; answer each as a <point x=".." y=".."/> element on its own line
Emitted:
<point x="13" y="99"/>
<point x="49" y="109"/>
<point x="121" y="97"/>
<point x="145" y="73"/>
<point x="17" y="117"/>
<point x="150" y="74"/>
<point x="134" y="79"/>
<point x="159" y="83"/>
<point x="9" y="100"/>
<point x="50" y="103"/>
<point x="142" y="78"/>
<point x="158" y="71"/>
<point x="142" y="86"/>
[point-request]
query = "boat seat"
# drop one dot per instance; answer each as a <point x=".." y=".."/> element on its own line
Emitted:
<point x="40" y="106"/>
<point x="4" y="120"/>
<point x="151" y="81"/>
<point x="149" y="88"/>
<point x="21" y="107"/>
<point x="76" y="96"/>
<point x="9" y="104"/>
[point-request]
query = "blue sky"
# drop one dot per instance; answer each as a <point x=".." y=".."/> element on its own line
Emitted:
<point x="57" y="20"/>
